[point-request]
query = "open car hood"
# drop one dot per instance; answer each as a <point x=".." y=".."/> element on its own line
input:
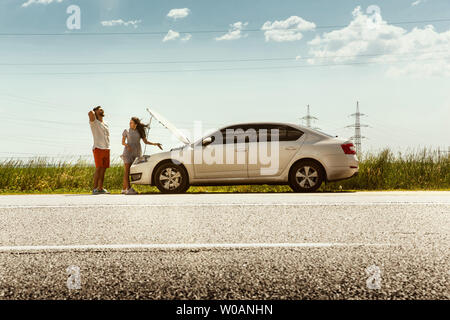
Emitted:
<point x="177" y="133"/>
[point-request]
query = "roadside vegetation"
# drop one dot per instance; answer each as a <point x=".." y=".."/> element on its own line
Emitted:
<point x="420" y="170"/>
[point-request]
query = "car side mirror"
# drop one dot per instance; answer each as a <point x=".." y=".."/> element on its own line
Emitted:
<point x="207" y="141"/>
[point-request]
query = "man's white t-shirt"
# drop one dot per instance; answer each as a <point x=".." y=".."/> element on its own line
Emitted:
<point x="100" y="132"/>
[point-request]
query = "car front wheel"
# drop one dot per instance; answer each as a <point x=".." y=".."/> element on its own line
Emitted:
<point x="306" y="176"/>
<point x="171" y="178"/>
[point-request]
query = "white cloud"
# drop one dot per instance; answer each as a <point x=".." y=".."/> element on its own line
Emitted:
<point x="286" y="30"/>
<point x="179" y="13"/>
<point x="171" y="35"/>
<point x="371" y="39"/>
<point x="187" y="37"/>
<point x="417" y="2"/>
<point x="235" y="32"/>
<point x="44" y="2"/>
<point x="120" y="22"/>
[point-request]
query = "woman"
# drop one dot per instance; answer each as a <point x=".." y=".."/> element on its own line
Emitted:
<point x="131" y="139"/>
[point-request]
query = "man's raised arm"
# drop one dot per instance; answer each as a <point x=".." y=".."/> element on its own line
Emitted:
<point x="91" y="115"/>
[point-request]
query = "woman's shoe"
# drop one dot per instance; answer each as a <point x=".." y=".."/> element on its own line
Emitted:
<point x="124" y="191"/>
<point x="131" y="191"/>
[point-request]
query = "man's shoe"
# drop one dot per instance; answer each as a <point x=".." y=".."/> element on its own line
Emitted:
<point x="131" y="191"/>
<point x="103" y="191"/>
<point x="95" y="191"/>
<point x="124" y="191"/>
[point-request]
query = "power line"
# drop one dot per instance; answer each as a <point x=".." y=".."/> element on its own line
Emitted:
<point x="56" y="106"/>
<point x="31" y="102"/>
<point x="223" y="69"/>
<point x="219" y="69"/>
<point x="53" y="106"/>
<point x="218" y="60"/>
<point x="146" y="62"/>
<point x="46" y="155"/>
<point x="201" y="31"/>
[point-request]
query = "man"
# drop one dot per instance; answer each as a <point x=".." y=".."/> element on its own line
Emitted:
<point x="100" y="132"/>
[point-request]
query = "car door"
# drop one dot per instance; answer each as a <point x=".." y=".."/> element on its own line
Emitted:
<point x="277" y="145"/>
<point x="224" y="158"/>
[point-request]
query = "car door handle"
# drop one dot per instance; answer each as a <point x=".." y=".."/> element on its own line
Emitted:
<point x="290" y="148"/>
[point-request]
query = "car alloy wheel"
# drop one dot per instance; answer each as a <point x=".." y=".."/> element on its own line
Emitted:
<point x="170" y="178"/>
<point x="306" y="176"/>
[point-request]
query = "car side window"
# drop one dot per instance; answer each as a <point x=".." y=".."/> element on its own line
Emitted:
<point x="255" y="133"/>
<point x="293" y="134"/>
<point x="239" y="134"/>
<point x="268" y="133"/>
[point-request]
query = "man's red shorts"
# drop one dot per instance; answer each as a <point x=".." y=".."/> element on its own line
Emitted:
<point x="101" y="157"/>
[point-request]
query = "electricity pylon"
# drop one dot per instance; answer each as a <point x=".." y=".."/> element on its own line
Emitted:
<point x="308" y="118"/>
<point x="357" y="125"/>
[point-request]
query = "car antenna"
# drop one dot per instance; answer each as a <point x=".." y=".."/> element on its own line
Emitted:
<point x="148" y="129"/>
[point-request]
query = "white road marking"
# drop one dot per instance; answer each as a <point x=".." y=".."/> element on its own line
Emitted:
<point x="185" y="246"/>
<point x="221" y="205"/>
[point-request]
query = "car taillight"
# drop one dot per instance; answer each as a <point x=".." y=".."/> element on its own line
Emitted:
<point x="348" y="148"/>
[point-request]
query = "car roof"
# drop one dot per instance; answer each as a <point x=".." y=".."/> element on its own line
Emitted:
<point x="300" y="127"/>
<point x="266" y="124"/>
<point x="257" y="124"/>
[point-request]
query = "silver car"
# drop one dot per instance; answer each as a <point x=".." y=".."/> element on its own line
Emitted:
<point x="249" y="153"/>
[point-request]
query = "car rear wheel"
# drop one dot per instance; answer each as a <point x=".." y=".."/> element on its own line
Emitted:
<point x="306" y="176"/>
<point x="171" y="178"/>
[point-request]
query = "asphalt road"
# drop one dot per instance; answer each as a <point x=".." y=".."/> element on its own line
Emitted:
<point x="372" y="245"/>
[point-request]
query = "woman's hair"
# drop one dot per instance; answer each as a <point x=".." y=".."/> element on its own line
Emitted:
<point x="140" y="127"/>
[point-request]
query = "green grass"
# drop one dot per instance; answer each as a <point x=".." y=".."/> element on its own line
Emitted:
<point x="420" y="170"/>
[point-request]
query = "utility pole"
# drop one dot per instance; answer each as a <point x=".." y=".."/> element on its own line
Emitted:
<point x="357" y="125"/>
<point x="308" y="118"/>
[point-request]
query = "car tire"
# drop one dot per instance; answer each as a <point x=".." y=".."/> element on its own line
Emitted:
<point x="171" y="178"/>
<point x="306" y="176"/>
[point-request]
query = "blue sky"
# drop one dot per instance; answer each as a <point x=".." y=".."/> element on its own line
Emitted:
<point x="327" y="54"/>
